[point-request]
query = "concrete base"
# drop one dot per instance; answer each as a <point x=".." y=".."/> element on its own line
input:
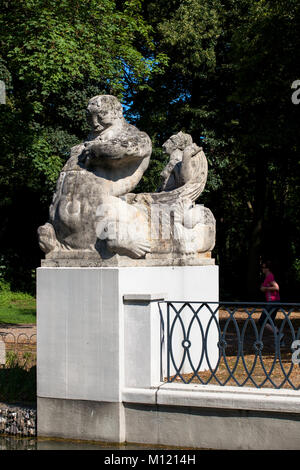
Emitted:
<point x="99" y="330"/>
<point x="99" y="366"/>
<point x="81" y="419"/>
<point x="206" y="428"/>
<point x="179" y="426"/>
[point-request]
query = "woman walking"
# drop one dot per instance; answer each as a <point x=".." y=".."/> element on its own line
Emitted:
<point x="271" y="290"/>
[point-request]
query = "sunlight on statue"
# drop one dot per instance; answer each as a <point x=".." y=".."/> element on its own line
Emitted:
<point x="94" y="216"/>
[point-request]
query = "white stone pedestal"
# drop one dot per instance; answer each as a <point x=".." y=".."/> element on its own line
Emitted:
<point x="98" y="332"/>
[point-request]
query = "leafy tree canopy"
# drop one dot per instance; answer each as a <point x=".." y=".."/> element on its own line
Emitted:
<point x="220" y="70"/>
<point x="54" y="56"/>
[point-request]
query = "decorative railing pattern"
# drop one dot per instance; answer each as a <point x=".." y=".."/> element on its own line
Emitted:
<point x="17" y="349"/>
<point x="239" y="344"/>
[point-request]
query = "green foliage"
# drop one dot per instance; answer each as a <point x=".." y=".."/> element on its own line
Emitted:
<point x="48" y="43"/>
<point x="191" y="33"/>
<point x="296" y="270"/>
<point x="263" y="48"/>
<point x="16" y="307"/>
<point x="54" y="57"/>
<point x="228" y="83"/>
<point x="17" y="383"/>
<point x="219" y="70"/>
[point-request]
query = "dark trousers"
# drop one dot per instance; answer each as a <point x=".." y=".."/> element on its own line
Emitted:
<point x="272" y="311"/>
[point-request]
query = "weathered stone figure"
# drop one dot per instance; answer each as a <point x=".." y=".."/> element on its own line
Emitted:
<point x="110" y="163"/>
<point x="192" y="228"/>
<point x="96" y="220"/>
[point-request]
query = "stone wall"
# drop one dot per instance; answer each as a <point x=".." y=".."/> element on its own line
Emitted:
<point x="17" y="420"/>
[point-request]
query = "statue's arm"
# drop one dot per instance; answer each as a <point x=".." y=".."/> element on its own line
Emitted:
<point x="138" y="145"/>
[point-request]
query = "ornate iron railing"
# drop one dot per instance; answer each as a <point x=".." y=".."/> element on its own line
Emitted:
<point x="228" y="343"/>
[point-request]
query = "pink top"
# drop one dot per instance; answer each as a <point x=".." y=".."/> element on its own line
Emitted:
<point x="271" y="295"/>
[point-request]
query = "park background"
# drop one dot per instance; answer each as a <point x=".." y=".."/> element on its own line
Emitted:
<point x="221" y="71"/>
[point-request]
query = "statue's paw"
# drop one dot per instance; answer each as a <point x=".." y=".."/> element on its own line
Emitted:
<point x="140" y="249"/>
<point x="200" y="239"/>
<point x="131" y="248"/>
<point x="47" y="238"/>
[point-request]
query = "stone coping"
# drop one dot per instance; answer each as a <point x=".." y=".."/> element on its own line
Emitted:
<point x="144" y="297"/>
<point x="75" y="263"/>
<point x="214" y="396"/>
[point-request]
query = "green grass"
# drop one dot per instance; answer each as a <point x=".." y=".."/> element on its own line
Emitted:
<point x="17" y="307"/>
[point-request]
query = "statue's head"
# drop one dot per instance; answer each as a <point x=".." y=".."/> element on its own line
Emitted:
<point x="177" y="141"/>
<point x="103" y="111"/>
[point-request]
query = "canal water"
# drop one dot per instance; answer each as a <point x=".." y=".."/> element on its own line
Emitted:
<point x="17" y="443"/>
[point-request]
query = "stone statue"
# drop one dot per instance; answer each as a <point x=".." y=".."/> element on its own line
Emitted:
<point x="95" y="219"/>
